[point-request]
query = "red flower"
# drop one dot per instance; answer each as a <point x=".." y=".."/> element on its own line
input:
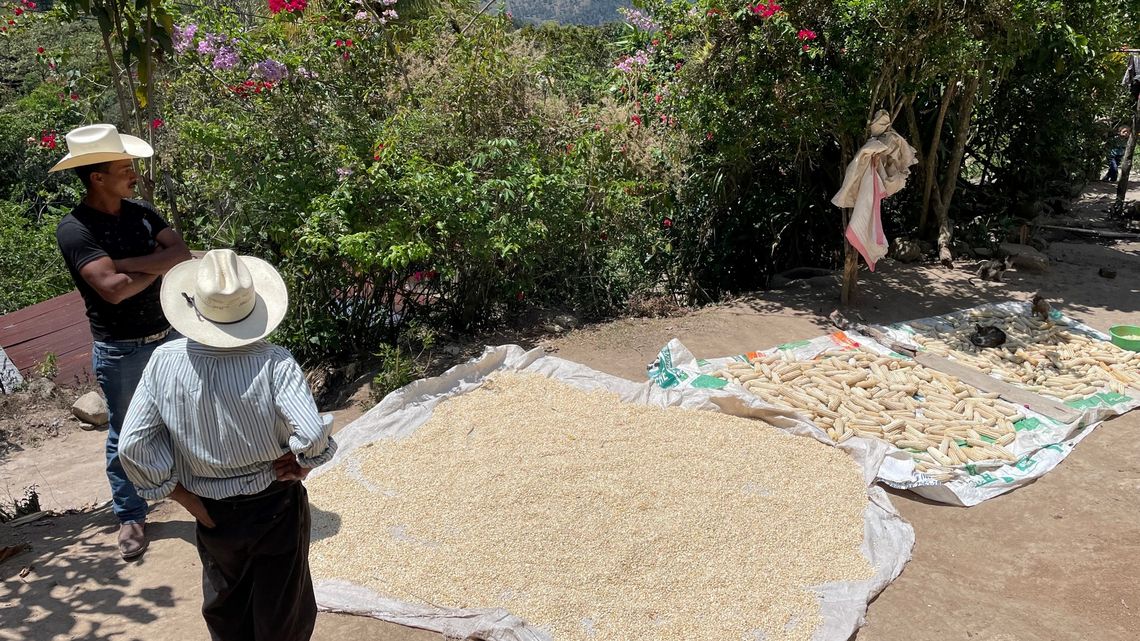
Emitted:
<point x="806" y="34"/>
<point x="156" y="123"/>
<point x="339" y="42"/>
<point x="806" y="48"/>
<point x="345" y="56"/>
<point x="655" y="42"/>
<point x="667" y="223"/>
<point x="30" y="5"/>
<point x="657" y="98"/>
<point x="708" y="135"/>
<point x="677" y="67"/>
<point x="250" y="83"/>
<point x="19" y="11"/>
<point x="75" y="96"/>
<point x="766" y="10"/>
<point x="12" y="22"/>
<point x="713" y="12"/>
<point x="348" y="43"/>
<point x="39" y="49"/>
<point x="376" y="157"/>
<point x="569" y="148"/>
<point x="276" y="6"/>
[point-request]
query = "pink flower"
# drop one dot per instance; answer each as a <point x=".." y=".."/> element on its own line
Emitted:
<point x="806" y="34"/>
<point x="766" y="10"/>
<point x="708" y="136"/>
<point x="806" y="48"/>
<point x="657" y="98"/>
<point x="156" y="123"/>
<point x="667" y="223"/>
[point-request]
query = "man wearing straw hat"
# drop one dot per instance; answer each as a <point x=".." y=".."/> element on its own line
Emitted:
<point x="117" y="250"/>
<point x="224" y="423"/>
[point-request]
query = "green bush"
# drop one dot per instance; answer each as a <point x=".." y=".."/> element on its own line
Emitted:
<point x="31" y="268"/>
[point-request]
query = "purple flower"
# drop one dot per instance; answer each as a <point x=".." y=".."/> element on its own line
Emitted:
<point x="225" y="58"/>
<point x="206" y="45"/>
<point x="271" y="70"/>
<point x="184" y="37"/>
<point x="629" y="63"/>
<point x="638" y="19"/>
<point x="388" y="14"/>
<point x="343" y="172"/>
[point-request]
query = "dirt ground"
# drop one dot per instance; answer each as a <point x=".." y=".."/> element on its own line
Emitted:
<point x="1056" y="560"/>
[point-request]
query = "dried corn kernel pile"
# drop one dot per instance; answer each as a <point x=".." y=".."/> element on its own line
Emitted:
<point x="597" y="519"/>
<point x="1042" y="356"/>
<point x="943" y="422"/>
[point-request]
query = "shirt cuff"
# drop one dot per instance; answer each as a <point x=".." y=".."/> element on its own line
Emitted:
<point x="320" y="459"/>
<point x="157" y="493"/>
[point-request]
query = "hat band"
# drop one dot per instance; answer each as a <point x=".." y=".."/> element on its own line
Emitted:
<point x="191" y="303"/>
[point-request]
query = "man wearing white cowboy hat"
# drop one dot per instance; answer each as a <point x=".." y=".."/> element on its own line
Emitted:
<point x="224" y="423"/>
<point x="117" y="250"/>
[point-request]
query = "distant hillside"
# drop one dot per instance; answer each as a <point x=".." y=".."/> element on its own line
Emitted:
<point x="567" y="11"/>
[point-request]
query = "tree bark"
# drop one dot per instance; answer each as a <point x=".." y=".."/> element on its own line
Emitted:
<point x="117" y="79"/>
<point x="850" y="256"/>
<point x="931" y="159"/>
<point x="1126" y="163"/>
<point x="954" y="167"/>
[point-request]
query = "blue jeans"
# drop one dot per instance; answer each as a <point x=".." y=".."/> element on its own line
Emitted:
<point x="118" y="367"/>
<point x="1113" y="166"/>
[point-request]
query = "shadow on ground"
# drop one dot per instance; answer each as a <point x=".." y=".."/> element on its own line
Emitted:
<point x="74" y="584"/>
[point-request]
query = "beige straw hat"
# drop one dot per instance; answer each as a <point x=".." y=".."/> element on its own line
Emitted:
<point x="94" y="144"/>
<point x="223" y="299"/>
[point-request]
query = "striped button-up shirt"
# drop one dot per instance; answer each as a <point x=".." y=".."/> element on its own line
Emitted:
<point x="215" y="419"/>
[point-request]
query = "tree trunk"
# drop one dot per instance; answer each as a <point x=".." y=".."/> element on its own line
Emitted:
<point x="931" y="158"/>
<point x="117" y="79"/>
<point x="850" y="256"/>
<point x="954" y="167"/>
<point x="1126" y="163"/>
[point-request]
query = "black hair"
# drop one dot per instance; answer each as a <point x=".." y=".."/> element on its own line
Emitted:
<point x="84" y="172"/>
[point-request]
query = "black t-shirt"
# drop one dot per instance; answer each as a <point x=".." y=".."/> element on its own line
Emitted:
<point x="87" y="234"/>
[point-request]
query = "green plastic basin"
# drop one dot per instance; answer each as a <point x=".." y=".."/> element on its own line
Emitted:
<point x="1126" y="336"/>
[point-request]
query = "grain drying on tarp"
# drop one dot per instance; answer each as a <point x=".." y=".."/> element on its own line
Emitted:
<point x="597" y="519"/>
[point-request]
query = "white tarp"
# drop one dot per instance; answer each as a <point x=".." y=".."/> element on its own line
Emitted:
<point x="887" y="542"/>
<point x="1041" y="443"/>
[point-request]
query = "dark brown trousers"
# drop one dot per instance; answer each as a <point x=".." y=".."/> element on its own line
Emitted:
<point x="255" y="566"/>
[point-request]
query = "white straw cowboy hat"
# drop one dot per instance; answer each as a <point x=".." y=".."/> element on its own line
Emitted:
<point x="94" y="144"/>
<point x="223" y="299"/>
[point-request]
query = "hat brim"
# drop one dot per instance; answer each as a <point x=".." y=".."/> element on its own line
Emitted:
<point x="268" y="312"/>
<point x="133" y="147"/>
